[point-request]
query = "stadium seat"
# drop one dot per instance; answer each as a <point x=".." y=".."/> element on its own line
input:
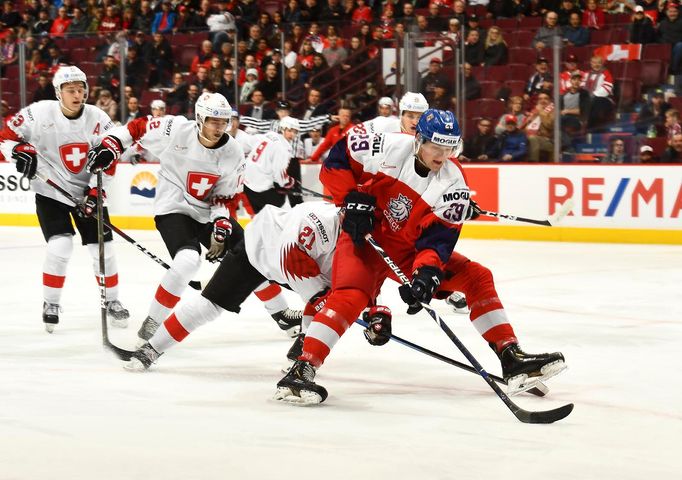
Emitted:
<point x="630" y="69"/>
<point x="628" y="92"/>
<point x="657" y="51"/>
<point x="496" y="73"/>
<point x="516" y="87"/>
<point x="521" y="71"/>
<point x="489" y="89"/>
<point x="653" y="73"/>
<point x="676" y="103"/>
<point x="525" y="55"/>
<point x="485" y="107"/>
<point x="532" y="23"/>
<point x="520" y="38"/>
<point x="583" y="53"/>
<point x="507" y="23"/>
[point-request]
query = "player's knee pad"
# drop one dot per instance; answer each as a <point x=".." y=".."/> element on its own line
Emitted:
<point x="194" y="314"/>
<point x="186" y="263"/>
<point x="60" y="246"/>
<point x="93" y="249"/>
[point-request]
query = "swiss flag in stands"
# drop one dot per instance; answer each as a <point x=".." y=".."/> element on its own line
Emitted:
<point x="619" y="52"/>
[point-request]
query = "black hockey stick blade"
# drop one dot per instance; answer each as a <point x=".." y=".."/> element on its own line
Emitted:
<point x="533" y="391"/>
<point x="547" y="416"/>
<point x="119" y="352"/>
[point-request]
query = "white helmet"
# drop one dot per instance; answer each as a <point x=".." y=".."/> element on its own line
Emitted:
<point x="68" y="74"/>
<point x="212" y="105"/>
<point x="386" y="101"/>
<point x="158" y="104"/>
<point x="289" y="122"/>
<point x="413" y="102"/>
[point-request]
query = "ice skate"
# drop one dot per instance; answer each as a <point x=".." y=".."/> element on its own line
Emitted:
<point x="458" y="303"/>
<point x="147" y="331"/>
<point x="117" y="314"/>
<point x="50" y="316"/>
<point x="294" y="352"/>
<point x="289" y="320"/>
<point x="142" y="359"/>
<point x="298" y="386"/>
<point x="524" y="371"/>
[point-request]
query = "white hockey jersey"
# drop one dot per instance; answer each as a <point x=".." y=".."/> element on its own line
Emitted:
<point x="267" y="163"/>
<point x="245" y="140"/>
<point x="62" y="145"/>
<point x="193" y="180"/>
<point x="378" y="125"/>
<point x="296" y="246"/>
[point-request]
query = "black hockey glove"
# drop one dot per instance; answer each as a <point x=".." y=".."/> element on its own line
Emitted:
<point x="104" y="155"/>
<point x="473" y="212"/>
<point x="222" y="229"/>
<point x="89" y="206"/>
<point x="26" y="158"/>
<point x="378" y="331"/>
<point x="358" y="219"/>
<point x="425" y="282"/>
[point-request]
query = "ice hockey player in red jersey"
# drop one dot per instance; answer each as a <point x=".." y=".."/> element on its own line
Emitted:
<point x="411" y="195"/>
<point x="53" y="137"/>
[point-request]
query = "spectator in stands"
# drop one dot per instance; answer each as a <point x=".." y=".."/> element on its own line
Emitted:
<point x="61" y="23"/>
<point x="177" y="95"/>
<point x="133" y="110"/>
<point x="454" y="31"/>
<point x="203" y="57"/>
<point x="515" y="108"/>
<point x="45" y="90"/>
<point x="35" y="65"/>
<point x="474" y="50"/>
<point x="111" y="22"/>
<point x="673" y="154"/>
<point x="215" y="73"/>
<point x="471" y="85"/>
<point x="408" y="18"/>
<point x="165" y="19"/>
<point x="435" y="75"/>
<point x="106" y="102"/>
<point x="362" y="13"/>
<point x="295" y="85"/>
<point x="670" y="31"/>
<point x="575" y="106"/>
<point x="226" y="86"/>
<point x="545" y="34"/>
<point x="474" y="24"/>
<point x="95" y="21"/>
<point x="652" y="116"/>
<point x="109" y="78"/>
<point x="314" y="106"/>
<point x="512" y="144"/>
<point x="436" y="22"/>
<point x="187" y="107"/>
<point x="202" y="81"/>
<point x="310" y="11"/>
<point x="599" y="84"/>
<point x="575" y="34"/>
<point x="187" y="21"/>
<point x="593" y="16"/>
<point x="332" y="12"/>
<point x="55" y="58"/>
<point x="541" y="80"/>
<point x="162" y="59"/>
<point x="616" y="153"/>
<point x="441" y="100"/>
<point x="259" y="110"/>
<point x="79" y="23"/>
<point x="249" y="62"/>
<point x="334" y="134"/>
<point x="248" y="88"/>
<point x="10" y="17"/>
<point x="520" y="8"/>
<point x="496" y="51"/>
<point x="292" y="12"/>
<point x="642" y="29"/>
<point x="571" y="69"/>
<point x="481" y="146"/>
<point x="128" y="19"/>
<point x="459" y="12"/>
<point x="144" y="18"/>
<point x="540" y="130"/>
<point x="136" y="70"/>
<point x="319" y="76"/>
<point x="145" y="50"/>
<point x="43" y="24"/>
<point x="335" y="54"/>
<point x="646" y="155"/>
<point x="565" y="11"/>
<point x="672" y="123"/>
<point x="271" y="85"/>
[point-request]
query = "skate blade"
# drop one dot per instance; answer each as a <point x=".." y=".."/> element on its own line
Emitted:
<point x="286" y="368"/>
<point x="522" y="383"/>
<point x="49" y="327"/>
<point x="306" y="398"/>
<point x="461" y="311"/>
<point x="134" y="365"/>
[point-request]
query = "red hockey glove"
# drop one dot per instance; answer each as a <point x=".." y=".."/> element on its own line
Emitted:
<point x="26" y="158"/>
<point x="222" y="229"/>
<point x="89" y="206"/>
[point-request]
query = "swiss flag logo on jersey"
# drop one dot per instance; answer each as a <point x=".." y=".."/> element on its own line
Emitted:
<point x="74" y="156"/>
<point x="199" y="184"/>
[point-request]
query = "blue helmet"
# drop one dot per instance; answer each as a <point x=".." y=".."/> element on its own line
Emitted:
<point x="441" y="128"/>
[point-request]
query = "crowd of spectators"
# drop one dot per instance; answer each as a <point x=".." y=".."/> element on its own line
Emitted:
<point x="323" y="39"/>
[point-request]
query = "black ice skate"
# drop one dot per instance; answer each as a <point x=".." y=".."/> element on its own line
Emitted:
<point x="458" y="302"/>
<point x="118" y="315"/>
<point x="289" y="320"/>
<point x="147" y="330"/>
<point x="524" y="371"/>
<point x="142" y="358"/>
<point x="294" y="352"/>
<point x="298" y="386"/>
<point x="50" y="316"/>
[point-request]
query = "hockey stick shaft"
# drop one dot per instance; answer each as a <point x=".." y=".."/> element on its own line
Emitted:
<point x="194" y="284"/>
<point x="102" y="263"/>
<point x="522" y="415"/>
<point x="514" y="218"/>
<point x="313" y="192"/>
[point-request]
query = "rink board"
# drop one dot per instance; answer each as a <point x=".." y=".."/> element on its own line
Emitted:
<point x="613" y="203"/>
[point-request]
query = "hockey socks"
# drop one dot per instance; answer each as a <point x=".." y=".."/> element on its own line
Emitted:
<point x="185" y="265"/>
<point x="59" y="249"/>
<point x="110" y="268"/>
<point x="272" y="297"/>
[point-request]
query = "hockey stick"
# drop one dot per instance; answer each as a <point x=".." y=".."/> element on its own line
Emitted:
<point x="102" y="275"/>
<point x="554" y="219"/>
<point x="196" y="285"/>
<point x="313" y="193"/>
<point x="525" y="416"/>
<point x="537" y="391"/>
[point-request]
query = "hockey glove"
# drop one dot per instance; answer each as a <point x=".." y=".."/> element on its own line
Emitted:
<point x="26" y="158"/>
<point x="358" y="219"/>
<point x="89" y="206"/>
<point x="473" y="211"/>
<point x="425" y="282"/>
<point x="104" y="155"/>
<point x="378" y="331"/>
<point x="222" y="228"/>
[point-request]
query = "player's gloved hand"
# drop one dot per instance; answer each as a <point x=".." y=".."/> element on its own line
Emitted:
<point x="425" y="282"/>
<point x="222" y="228"/>
<point x="378" y="331"/>
<point x="89" y="206"/>
<point x="26" y="158"/>
<point x="290" y="183"/>
<point x="104" y="155"/>
<point x="473" y="211"/>
<point x="358" y="219"/>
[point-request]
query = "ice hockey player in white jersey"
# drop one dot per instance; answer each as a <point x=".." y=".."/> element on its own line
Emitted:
<point x="53" y="137"/>
<point x="266" y="166"/>
<point x="411" y="105"/>
<point x="293" y="247"/>
<point x="243" y="138"/>
<point x="385" y="107"/>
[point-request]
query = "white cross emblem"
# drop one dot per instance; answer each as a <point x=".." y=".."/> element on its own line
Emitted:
<point x="73" y="156"/>
<point x="76" y="157"/>
<point x="201" y="187"/>
<point x="199" y="184"/>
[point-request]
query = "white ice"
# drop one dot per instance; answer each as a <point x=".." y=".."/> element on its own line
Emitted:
<point x="69" y="411"/>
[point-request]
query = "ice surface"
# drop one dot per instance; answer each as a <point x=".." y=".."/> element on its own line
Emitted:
<point x="69" y="411"/>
